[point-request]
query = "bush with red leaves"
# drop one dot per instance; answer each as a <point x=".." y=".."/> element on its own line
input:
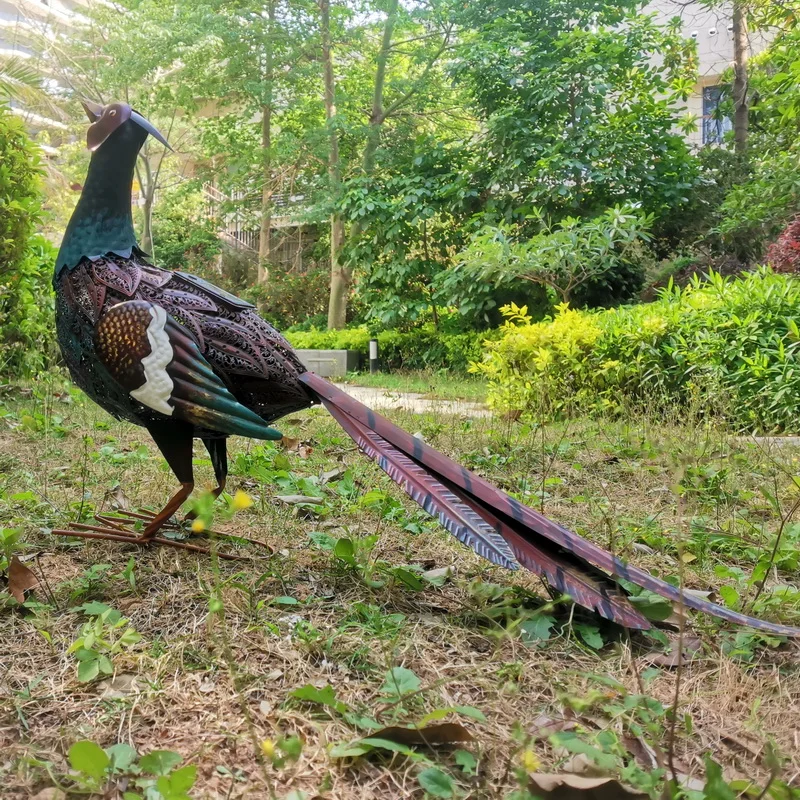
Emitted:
<point x="784" y="254"/>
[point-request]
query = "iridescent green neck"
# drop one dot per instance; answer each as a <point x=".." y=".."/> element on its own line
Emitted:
<point x="102" y="221"/>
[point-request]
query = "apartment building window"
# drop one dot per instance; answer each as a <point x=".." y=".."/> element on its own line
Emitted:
<point x="715" y="125"/>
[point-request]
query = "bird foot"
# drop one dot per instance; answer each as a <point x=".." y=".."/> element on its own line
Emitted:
<point x="121" y="527"/>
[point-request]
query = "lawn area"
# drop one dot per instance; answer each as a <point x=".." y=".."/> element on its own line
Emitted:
<point x="367" y="595"/>
<point x="434" y="385"/>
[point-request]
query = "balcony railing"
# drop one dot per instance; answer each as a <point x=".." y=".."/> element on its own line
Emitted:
<point x="237" y="215"/>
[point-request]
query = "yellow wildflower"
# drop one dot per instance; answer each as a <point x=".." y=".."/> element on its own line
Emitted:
<point x="530" y="762"/>
<point x="268" y="748"/>
<point x="242" y="500"/>
<point x="198" y="526"/>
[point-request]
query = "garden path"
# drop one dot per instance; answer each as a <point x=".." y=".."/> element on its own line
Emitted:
<point x="379" y="399"/>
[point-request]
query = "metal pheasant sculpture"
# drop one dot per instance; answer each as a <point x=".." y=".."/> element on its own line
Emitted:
<point x="185" y="359"/>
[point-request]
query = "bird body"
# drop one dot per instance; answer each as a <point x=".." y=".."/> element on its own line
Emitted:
<point x="185" y="359"/>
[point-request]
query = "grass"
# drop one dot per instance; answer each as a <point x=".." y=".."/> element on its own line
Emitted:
<point x="229" y="664"/>
<point x="434" y="385"/>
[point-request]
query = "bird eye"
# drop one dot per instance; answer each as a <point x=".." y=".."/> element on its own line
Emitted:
<point x="113" y="112"/>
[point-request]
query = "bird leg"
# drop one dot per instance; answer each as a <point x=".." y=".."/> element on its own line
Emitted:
<point x="215" y="493"/>
<point x="218" y="450"/>
<point x="175" y="502"/>
<point x="176" y="446"/>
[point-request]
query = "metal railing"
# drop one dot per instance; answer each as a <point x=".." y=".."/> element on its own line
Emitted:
<point x="235" y="215"/>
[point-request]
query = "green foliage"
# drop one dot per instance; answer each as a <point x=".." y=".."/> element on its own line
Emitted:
<point x="755" y="211"/>
<point x="566" y="257"/>
<point x="27" y="312"/>
<point x="155" y="776"/>
<point x="183" y="238"/>
<point x="26" y="260"/>
<point x="100" y="640"/>
<point x="423" y="348"/>
<point x="763" y="201"/>
<point x="290" y="297"/>
<point x="357" y="555"/>
<point x="725" y="346"/>
<point x="542" y="76"/>
<point x="9" y="542"/>
<point x="20" y="174"/>
<point x="412" y="224"/>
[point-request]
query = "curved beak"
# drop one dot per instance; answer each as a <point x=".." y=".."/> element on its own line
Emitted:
<point x="151" y="129"/>
<point x="93" y="110"/>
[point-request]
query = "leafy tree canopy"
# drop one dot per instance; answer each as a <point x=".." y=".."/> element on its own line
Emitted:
<point x="579" y="104"/>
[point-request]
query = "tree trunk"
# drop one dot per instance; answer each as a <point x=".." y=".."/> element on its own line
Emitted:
<point x="741" y="53"/>
<point x="378" y="116"/>
<point x="265" y="233"/>
<point x="340" y="273"/>
<point x="147" y="225"/>
<point x="147" y="191"/>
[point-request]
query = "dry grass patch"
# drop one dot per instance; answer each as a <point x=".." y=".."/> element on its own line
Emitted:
<point x="225" y="644"/>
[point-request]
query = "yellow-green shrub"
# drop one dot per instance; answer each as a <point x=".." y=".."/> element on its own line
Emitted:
<point x="729" y="347"/>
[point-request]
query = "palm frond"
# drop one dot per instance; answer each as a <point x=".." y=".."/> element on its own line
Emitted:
<point x="24" y="83"/>
<point x="16" y="74"/>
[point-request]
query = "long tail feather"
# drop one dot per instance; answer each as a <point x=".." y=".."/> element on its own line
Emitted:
<point x="456" y="517"/>
<point x="588" y="587"/>
<point x="476" y="526"/>
<point x="527" y="523"/>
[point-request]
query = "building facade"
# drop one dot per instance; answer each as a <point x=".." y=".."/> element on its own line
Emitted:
<point x="712" y="29"/>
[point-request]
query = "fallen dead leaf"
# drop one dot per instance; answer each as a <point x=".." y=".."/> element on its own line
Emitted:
<point x="51" y="793"/>
<point x="692" y="646"/>
<point x="291" y="445"/>
<point x="581" y="764"/>
<point x="20" y="579"/>
<point x="332" y="475"/>
<point x="701" y="594"/>
<point x="755" y="752"/>
<point x="119" y="686"/>
<point x="688" y="782"/>
<point x="544" y="726"/>
<point x="118" y="499"/>
<point x="445" y="733"/>
<point x="266" y="707"/>
<point x="437" y="576"/>
<point x="576" y="787"/>
<point x="297" y="499"/>
<point x="641" y="751"/>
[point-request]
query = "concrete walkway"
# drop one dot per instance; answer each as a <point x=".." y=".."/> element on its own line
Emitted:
<point x="381" y="399"/>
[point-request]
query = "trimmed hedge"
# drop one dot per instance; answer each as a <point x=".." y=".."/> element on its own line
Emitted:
<point x="727" y="347"/>
<point x="424" y="348"/>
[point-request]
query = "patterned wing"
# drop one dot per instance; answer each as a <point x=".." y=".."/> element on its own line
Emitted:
<point x="159" y="364"/>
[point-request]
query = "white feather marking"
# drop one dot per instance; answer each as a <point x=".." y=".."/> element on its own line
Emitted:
<point x="157" y="387"/>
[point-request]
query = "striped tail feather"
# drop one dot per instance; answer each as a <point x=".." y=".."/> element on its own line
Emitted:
<point x="520" y="521"/>
<point x="588" y="587"/>
<point x="476" y="526"/>
<point x="422" y="487"/>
